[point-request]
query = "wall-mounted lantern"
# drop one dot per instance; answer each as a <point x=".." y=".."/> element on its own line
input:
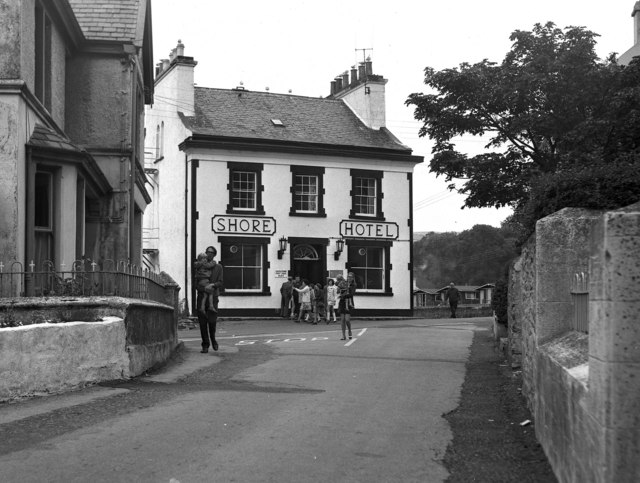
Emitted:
<point x="339" y="248"/>
<point x="283" y="247"/>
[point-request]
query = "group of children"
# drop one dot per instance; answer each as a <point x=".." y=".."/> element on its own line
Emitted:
<point x="317" y="304"/>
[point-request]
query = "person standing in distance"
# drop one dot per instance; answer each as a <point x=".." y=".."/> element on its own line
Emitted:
<point x="209" y="318"/>
<point x="452" y="295"/>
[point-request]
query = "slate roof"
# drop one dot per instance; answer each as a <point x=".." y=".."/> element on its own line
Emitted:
<point x="115" y="20"/>
<point x="246" y="114"/>
<point x="44" y="137"/>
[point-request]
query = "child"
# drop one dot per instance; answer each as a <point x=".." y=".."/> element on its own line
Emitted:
<point x="332" y="300"/>
<point x="305" y="299"/>
<point x="320" y="302"/>
<point x="203" y="273"/>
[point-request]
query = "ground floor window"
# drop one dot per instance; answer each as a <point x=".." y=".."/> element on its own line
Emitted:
<point x="369" y="262"/>
<point x="43" y="220"/>
<point x="245" y="264"/>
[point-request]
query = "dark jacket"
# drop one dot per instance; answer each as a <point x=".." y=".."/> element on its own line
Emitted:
<point x="452" y="294"/>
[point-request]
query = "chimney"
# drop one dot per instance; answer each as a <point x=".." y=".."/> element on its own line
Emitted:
<point x="354" y="75"/>
<point x="636" y="22"/>
<point x="365" y="96"/>
<point x="175" y="80"/>
<point x="180" y="48"/>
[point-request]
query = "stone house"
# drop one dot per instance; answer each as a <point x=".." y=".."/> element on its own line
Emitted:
<point x="280" y="185"/>
<point x="74" y="78"/>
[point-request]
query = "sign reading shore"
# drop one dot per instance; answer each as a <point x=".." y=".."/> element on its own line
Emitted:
<point x="368" y="229"/>
<point x="243" y="225"/>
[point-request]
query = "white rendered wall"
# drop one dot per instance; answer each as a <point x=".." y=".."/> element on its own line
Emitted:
<point x="212" y="199"/>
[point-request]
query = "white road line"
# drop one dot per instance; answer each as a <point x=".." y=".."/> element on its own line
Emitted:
<point x="356" y="338"/>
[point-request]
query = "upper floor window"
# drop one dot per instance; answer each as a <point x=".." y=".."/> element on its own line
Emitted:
<point x="366" y="194"/>
<point x="43" y="30"/>
<point x="245" y="188"/>
<point x="160" y="141"/>
<point x="307" y="191"/>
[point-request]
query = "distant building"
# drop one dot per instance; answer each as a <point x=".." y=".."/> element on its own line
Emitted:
<point x="635" y="49"/>
<point x="74" y="78"/>
<point x="280" y="185"/>
<point x="471" y="294"/>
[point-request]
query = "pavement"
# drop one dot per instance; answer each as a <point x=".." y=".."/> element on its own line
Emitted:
<point x="493" y="430"/>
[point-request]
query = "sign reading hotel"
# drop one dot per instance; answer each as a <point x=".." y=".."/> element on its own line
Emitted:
<point x="368" y="229"/>
<point x="243" y="225"/>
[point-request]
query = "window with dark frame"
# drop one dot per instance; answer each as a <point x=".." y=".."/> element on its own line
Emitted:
<point x="307" y="191"/>
<point x="43" y="34"/>
<point x="245" y="265"/>
<point x="366" y="195"/>
<point x="43" y="218"/>
<point x="370" y="263"/>
<point x="245" y="188"/>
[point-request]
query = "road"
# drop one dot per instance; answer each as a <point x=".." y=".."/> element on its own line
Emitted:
<point x="279" y="402"/>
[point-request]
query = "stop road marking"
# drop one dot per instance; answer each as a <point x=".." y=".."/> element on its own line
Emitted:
<point x="291" y="339"/>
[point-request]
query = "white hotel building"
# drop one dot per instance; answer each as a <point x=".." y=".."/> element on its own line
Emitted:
<point x="280" y="185"/>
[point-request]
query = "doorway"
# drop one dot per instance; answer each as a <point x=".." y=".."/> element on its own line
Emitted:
<point x="308" y="260"/>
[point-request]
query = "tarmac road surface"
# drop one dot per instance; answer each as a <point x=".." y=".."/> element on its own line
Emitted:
<point x="279" y="402"/>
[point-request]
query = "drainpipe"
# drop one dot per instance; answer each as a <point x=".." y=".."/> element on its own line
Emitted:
<point x="195" y="164"/>
<point x="134" y="140"/>
<point x="186" y="230"/>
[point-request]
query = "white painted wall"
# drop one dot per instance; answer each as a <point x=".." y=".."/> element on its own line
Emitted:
<point x="212" y="199"/>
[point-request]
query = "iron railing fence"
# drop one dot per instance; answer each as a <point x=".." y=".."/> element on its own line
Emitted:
<point x="84" y="279"/>
<point x="580" y="296"/>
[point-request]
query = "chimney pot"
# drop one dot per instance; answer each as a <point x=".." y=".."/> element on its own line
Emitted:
<point x="333" y="87"/>
<point x="180" y="48"/>
<point x="345" y="79"/>
<point x="338" y="82"/>
<point x="369" y="66"/>
<point x="165" y="64"/>
<point x="361" y="72"/>
<point x="354" y="75"/>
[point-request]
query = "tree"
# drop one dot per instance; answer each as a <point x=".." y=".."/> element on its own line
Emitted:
<point x="553" y="113"/>
<point x="476" y="256"/>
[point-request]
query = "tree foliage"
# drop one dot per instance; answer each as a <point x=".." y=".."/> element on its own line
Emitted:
<point x="472" y="257"/>
<point x="561" y="124"/>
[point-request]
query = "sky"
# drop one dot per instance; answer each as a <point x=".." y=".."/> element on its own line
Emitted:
<point x="302" y="45"/>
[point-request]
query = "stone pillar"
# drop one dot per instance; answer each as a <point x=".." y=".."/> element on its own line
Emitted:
<point x="614" y="343"/>
<point x="562" y="249"/>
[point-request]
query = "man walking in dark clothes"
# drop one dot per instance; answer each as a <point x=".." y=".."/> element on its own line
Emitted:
<point x="452" y="295"/>
<point x="208" y="319"/>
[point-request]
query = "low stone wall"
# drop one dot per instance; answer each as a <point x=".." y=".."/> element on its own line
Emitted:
<point x="583" y="389"/>
<point x="122" y="339"/>
<point x="445" y="312"/>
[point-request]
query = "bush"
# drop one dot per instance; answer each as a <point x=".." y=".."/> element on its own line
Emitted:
<point x="500" y="302"/>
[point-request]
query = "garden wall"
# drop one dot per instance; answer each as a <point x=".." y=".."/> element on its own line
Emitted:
<point x="111" y="338"/>
<point x="583" y="389"/>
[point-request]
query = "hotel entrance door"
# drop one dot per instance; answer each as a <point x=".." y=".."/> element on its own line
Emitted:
<point x="309" y="261"/>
